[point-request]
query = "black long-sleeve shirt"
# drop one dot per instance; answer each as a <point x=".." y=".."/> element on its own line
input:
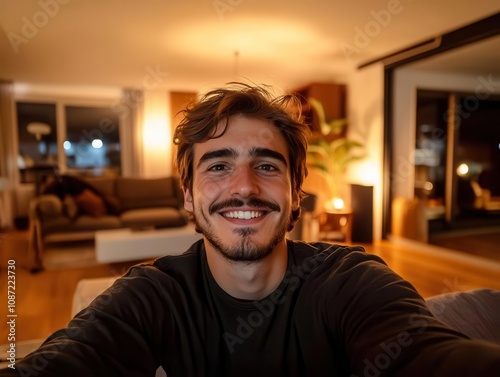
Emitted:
<point x="338" y="312"/>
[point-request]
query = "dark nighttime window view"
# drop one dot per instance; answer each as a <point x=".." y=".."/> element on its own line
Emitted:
<point x="463" y="182"/>
<point x="37" y="135"/>
<point x="92" y="144"/>
<point x="478" y="160"/>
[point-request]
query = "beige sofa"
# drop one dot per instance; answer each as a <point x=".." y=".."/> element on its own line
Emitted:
<point x="74" y="208"/>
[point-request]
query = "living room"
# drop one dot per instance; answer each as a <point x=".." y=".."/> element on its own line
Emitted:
<point x="144" y="62"/>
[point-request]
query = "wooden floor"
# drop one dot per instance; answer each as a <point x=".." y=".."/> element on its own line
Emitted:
<point x="43" y="300"/>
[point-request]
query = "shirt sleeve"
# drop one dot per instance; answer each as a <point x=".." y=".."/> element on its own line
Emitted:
<point x="119" y="334"/>
<point x="386" y="328"/>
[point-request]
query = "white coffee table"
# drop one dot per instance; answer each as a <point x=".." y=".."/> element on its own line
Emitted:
<point x="120" y="245"/>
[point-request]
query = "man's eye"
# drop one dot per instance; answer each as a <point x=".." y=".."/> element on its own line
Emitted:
<point x="267" y="167"/>
<point x="218" y="167"/>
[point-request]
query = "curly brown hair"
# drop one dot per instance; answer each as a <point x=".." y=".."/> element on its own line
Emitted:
<point x="203" y="116"/>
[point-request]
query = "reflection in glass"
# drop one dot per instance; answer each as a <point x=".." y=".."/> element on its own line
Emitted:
<point x="92" y="144"/>
<point x="477" y="149"/>
<point x="430" y="150"/>
<point x="37" y="136"/>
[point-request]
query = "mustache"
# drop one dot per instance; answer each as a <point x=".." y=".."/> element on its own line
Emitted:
<point x="235" y="203"/>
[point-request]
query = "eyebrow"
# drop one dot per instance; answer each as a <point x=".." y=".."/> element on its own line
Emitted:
<point x="265" y="152"/>
<point x="254" y="152"/>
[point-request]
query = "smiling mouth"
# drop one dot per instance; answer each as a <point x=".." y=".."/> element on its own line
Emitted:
<point x="243" y="215"/>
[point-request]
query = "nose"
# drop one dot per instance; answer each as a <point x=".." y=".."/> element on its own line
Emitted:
<point x="244" y="182"/>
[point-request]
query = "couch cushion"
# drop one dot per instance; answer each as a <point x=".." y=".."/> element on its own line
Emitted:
<point x="49" y="206"/>
<point x="159" y="217"/>
<point x="86" y="222"/>
<point x="146" y="193"/>
<point x="105" y="185"/>
<point x="474" y="313"/>
<point x="56" y="224"/>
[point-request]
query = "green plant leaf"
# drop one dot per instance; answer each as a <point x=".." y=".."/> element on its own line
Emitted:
<point x="331" y="158"/>
<point x="337" y="126"/>
<point x="318" y="107"/>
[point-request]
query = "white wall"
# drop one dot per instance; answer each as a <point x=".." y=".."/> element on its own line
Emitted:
<point x="366" y="124"/>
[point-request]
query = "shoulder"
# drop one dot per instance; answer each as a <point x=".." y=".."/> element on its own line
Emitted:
<point x="327" y="257"/>
<point x="339" y="271"/>
<point x="170" y="271"/>
<point x="189" y="262"/>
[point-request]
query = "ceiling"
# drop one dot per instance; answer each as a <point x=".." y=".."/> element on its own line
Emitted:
<point x="482" y="57"/>
<point x="193" y="44"/>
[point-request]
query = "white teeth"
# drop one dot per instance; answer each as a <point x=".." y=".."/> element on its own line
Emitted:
<point x="247" y="215"/>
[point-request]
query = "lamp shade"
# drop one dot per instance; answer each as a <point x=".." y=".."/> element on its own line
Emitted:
<point x="38" y="129"/>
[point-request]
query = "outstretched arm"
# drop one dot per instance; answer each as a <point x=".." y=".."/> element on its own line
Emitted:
<point x="119" y="334"/>
<point x="388" y="330"/>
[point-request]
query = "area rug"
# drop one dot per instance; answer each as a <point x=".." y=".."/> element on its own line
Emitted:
<point x="63" y="255"/>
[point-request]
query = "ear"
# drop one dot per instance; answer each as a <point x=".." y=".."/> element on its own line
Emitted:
<point x="188" y="200"/>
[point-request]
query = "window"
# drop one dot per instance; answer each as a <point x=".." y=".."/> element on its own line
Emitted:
<point x="71" y="138"/>
<point x="92" y="143"/>
<point x="430" y="149"/>
<point x="37" y="136"/>
<point x="457" y="158"/>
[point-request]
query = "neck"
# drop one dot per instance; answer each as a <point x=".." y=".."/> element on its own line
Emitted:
<point x="248" y="281"/>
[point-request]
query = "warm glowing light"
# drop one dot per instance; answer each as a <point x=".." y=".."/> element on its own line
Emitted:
<point x="462" y="169"/>
<point x="335" y="204"/>
<point x="156" y="134"/>
<point x="338" y="203"/>
<point x="365" y="172"/>
<point x="97" y="143"/>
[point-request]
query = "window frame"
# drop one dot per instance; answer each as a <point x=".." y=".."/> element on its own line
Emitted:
<point x="60" y="102"/>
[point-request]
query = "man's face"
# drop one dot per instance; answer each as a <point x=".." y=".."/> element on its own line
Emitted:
<point x="241" y="196"/>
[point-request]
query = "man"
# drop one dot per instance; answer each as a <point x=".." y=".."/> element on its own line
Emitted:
<point x="244" y="301"/>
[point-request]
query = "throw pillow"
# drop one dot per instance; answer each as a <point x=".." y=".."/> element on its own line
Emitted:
<point x="113" y="205"/>
<point x="90" y="203"/>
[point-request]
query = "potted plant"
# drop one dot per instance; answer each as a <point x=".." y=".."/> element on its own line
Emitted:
<point x="330" y="152"/>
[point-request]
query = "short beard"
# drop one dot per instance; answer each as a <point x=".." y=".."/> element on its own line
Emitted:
<point x="246" y="251"/>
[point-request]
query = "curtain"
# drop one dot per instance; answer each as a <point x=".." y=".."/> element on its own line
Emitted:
<point x="7" y="154"/>
<point x="131" y="113"/>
